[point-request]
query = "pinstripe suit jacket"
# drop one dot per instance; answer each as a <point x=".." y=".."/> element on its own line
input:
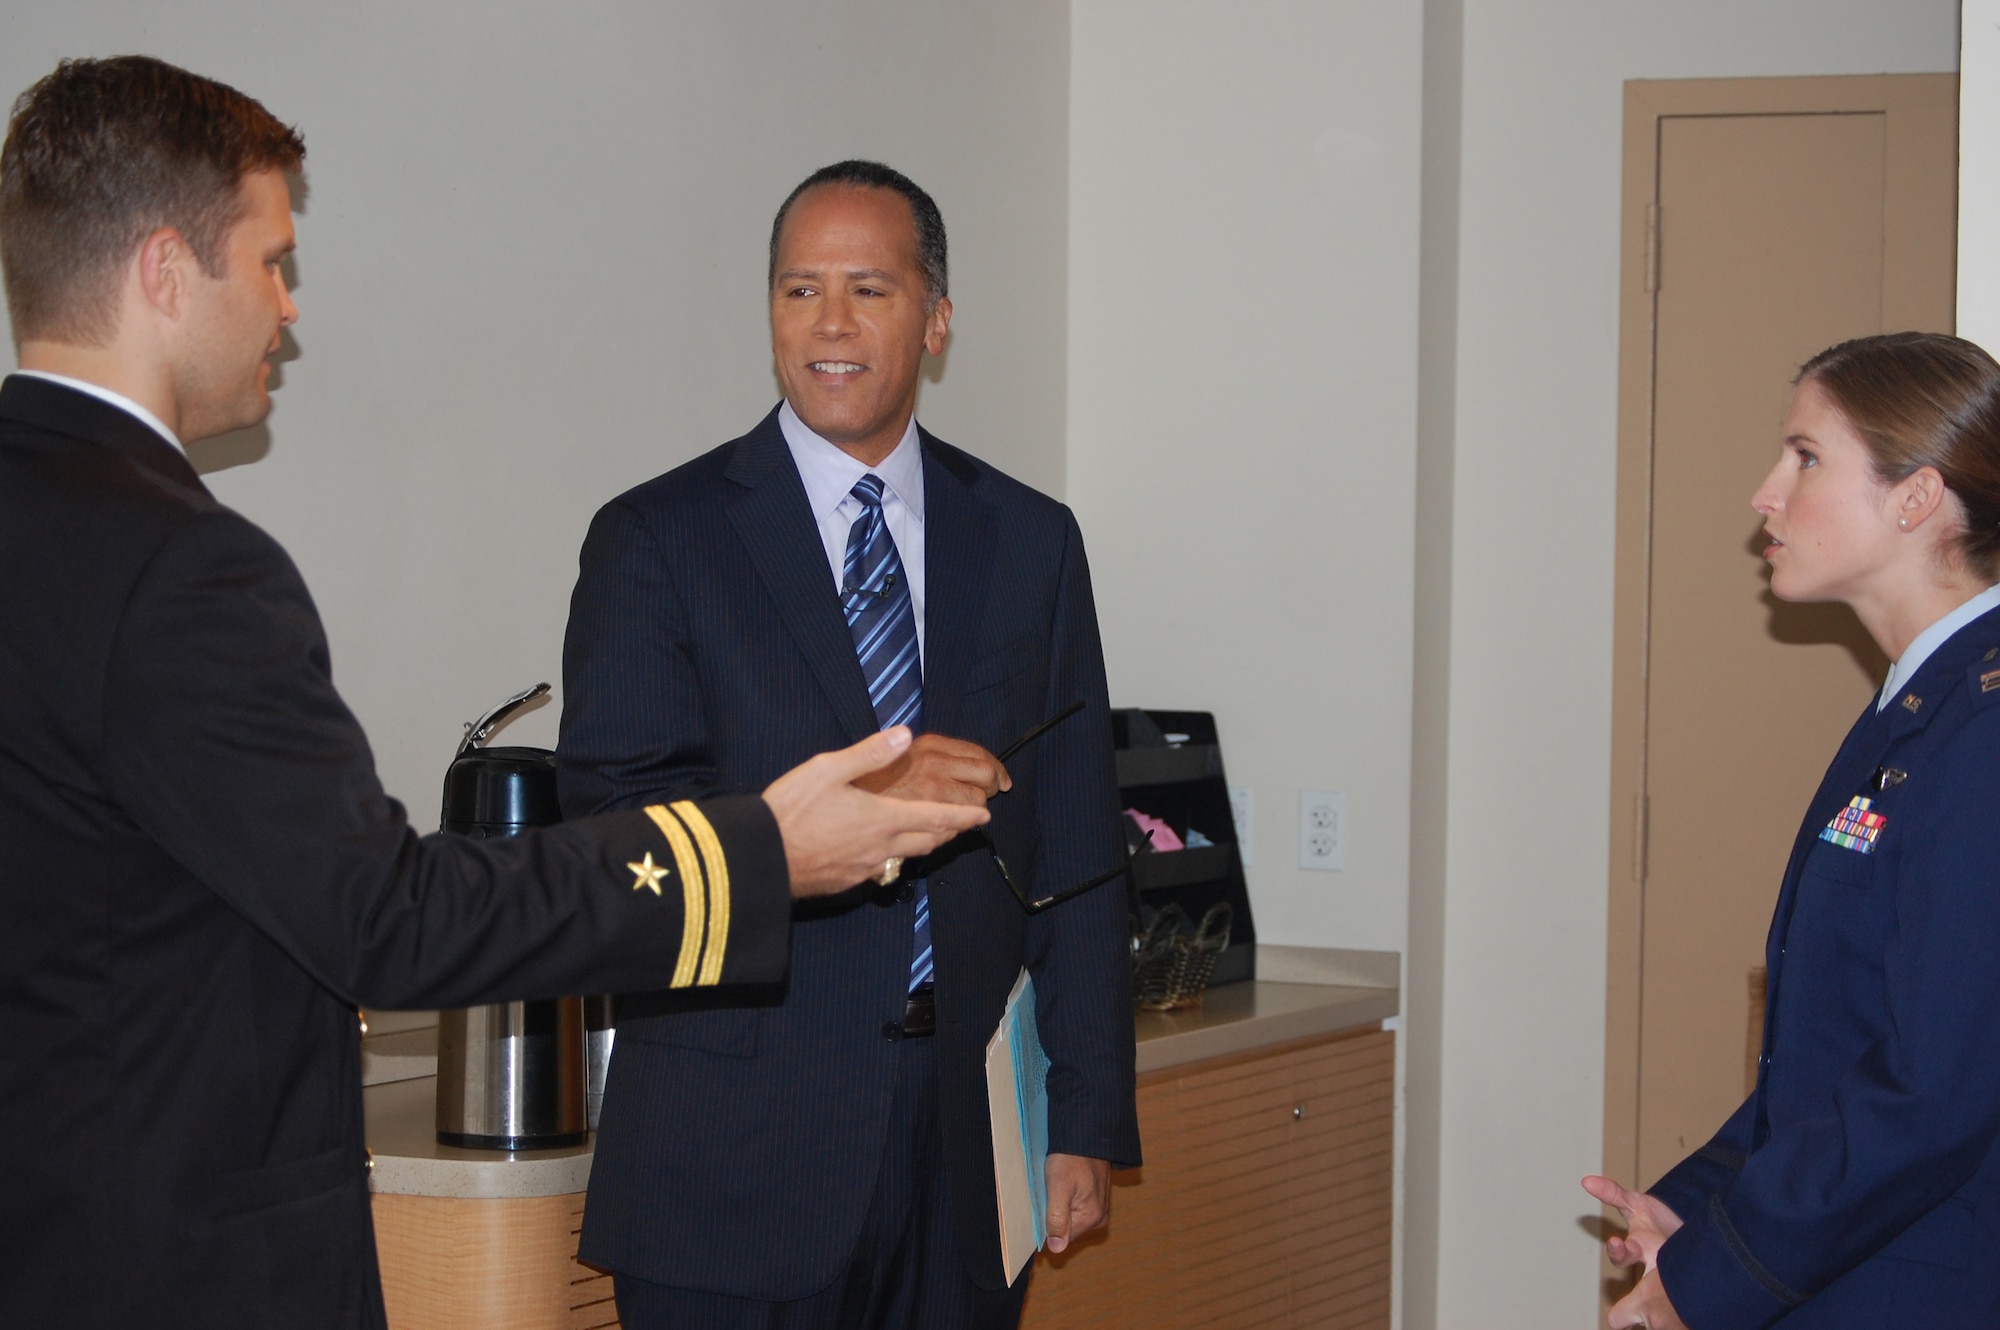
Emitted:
<point x="706" y="653"/>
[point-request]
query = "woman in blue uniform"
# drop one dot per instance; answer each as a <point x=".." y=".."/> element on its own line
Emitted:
<point x="1859" y="1185"/>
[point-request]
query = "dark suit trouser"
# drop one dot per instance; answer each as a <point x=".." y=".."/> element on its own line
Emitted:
<point x="906" y="1272"/>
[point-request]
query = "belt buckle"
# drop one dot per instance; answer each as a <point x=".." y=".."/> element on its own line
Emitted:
<point x="920" y="1014"/>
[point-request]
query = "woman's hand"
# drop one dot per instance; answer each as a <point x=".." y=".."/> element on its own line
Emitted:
<point x="1648" y="1224"/>
<point x="1647" y="1306"/>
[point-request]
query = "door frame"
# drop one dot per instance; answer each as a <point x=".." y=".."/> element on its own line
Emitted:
<point x="1910" y="104"/>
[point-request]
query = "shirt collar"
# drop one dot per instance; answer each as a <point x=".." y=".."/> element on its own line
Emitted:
<point x="105" y="395"/>
<point x="1929" y="640"/>
<point x="829" y="473"/>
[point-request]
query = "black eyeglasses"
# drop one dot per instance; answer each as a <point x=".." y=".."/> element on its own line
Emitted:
<point x="1031" y="905"/>
<point x="1037" y="906"/>
<point x="1038" y="731"/>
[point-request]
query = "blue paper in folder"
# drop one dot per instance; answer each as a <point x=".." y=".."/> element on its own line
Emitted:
<point x="1017" y="1074"/>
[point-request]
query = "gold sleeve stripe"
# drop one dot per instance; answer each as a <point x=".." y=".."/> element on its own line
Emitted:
<point x="694" y="907"/>
<point x="718" y="890"/>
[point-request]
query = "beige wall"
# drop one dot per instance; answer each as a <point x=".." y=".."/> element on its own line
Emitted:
<point x="531" y="274"/>
<point x="1242" y="394"/>
<point x="1242" y="399"/>
<point x="1430" y="728"/>
<point x="1524" y="890"/>
<point x="1979" y="173"/>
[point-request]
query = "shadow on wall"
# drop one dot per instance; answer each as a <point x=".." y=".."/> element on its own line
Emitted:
<point x="239" y="448"/>
<point x="1619" y="1282"/>
<point x="1829" y="623"/>
<point x="244" y="446"/>
<point x="934" y="366"/>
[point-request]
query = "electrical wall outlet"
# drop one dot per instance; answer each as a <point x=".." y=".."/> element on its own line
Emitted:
<point x="1240" y="812"/>
<point x="1323" y="830"/>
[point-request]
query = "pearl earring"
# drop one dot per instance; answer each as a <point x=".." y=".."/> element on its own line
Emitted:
<point x="1903" y="523"/>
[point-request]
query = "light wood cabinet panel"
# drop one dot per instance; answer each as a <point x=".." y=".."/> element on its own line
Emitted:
<point x="452" y="1264"/>
<point x="1267" y="1199"/>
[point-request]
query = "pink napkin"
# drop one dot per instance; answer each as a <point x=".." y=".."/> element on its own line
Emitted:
<point x="1163" y="835"/>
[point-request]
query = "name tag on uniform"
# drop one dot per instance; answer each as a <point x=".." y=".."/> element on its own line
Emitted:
<point x="1855" y="827"/>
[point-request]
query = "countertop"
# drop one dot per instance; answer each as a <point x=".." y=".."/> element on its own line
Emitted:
<point x="1238" y="1018"/>
<point x="1301" y="992"/>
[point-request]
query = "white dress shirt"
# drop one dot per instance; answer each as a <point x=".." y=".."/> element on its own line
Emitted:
<point x="830" y="475"/>
<point x="1931" y="639"/>
<point x="105" y="395"/>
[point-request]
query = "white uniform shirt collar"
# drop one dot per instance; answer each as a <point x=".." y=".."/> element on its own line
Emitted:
<point x="830" y="474"/>
<point x="1931" y="639"/>
<point x="109" y="398"/>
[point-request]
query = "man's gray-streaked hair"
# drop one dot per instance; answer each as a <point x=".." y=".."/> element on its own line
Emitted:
<point x="874" y="175"/>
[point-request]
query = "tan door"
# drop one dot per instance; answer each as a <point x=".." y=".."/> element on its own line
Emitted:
<point x="1773" y="217"/>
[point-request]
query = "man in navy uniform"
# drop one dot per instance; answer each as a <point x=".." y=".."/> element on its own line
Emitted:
<point x="200" y="876"/>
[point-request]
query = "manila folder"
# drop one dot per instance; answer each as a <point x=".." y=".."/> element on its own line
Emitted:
<point x="1017" y="1073"/>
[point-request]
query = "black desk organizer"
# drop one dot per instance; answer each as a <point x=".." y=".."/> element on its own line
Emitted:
<point x="1170" y="767"/>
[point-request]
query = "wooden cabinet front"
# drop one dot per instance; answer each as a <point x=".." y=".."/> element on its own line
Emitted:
<point x="1267" y="1199"/>
<point x="451" y="1264"/>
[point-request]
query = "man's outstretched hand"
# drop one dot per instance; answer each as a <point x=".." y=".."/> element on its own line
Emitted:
<point x="837" y="835"/>
<point x="941" y="770"/>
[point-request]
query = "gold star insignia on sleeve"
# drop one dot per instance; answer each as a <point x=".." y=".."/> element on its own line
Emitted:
<point x="649" y="874"/>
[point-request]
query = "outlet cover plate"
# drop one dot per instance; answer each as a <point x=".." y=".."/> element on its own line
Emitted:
<point x="1242" y="811"/>
<point x="1323" y="831"/>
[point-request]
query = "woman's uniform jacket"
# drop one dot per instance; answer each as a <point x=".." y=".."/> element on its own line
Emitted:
<point x="1859" y="1185"/>
<point x="201" y="878"/>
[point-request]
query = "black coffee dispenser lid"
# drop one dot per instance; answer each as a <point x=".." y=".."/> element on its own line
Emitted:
<point x="500" y="791"/>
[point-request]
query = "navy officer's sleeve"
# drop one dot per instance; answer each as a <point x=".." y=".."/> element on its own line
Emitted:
<point x="240" y="761"/>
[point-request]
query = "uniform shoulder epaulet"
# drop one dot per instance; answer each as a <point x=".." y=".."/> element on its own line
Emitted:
<point x="1983" y="678"/>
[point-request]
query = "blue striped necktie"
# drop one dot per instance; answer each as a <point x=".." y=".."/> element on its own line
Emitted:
<point x="875" y="596"/>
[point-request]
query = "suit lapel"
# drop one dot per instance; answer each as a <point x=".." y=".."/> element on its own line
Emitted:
<point x="775" y="524"/>
<point x="1859" y="755"/>
<point x="959" y="538"/>
<point x="1860" y="752"/>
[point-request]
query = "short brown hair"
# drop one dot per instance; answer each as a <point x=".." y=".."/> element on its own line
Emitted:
<point x="102" y="153"/>
<point x="1925" y="399"/>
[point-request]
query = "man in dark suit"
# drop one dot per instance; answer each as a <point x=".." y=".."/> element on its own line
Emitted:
<point x="200" y="877"/>
<point x="822" y="1157"/>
